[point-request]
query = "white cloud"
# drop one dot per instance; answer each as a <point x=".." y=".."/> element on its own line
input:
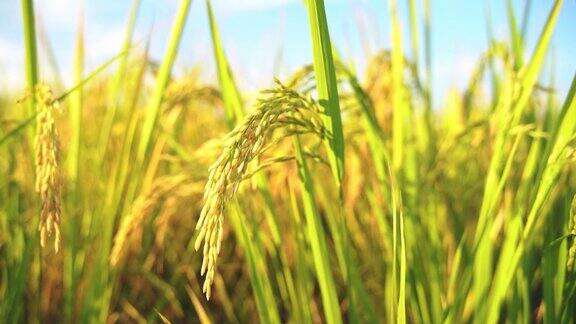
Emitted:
<point x="61" y="13"/>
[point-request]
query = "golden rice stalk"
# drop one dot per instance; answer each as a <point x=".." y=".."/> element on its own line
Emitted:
<point x="47" y="178"/>
<point x="281" y="108"/>
<point x="143" y="206"/>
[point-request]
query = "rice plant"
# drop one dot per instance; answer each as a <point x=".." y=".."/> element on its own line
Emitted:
<point x="149" y="193"/>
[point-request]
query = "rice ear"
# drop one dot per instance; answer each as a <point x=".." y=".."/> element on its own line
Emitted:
<point x="47" y="166"/>
<point x="244" y="144"/>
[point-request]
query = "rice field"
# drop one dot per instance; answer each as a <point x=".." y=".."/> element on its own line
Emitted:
<point x="332" y="196"/>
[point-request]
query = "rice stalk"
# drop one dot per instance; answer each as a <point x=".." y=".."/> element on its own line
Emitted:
<point x="29" y="24"/>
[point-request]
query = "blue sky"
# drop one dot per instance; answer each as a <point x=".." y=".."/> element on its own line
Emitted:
<point x="254" y="31"/>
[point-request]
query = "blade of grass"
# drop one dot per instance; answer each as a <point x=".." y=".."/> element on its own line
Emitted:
<point x="153" y="108"/>
<point x="515" y="36"/>
<point x="516" y="104"/>
<point x="414" y="33"/>
<point x="117" y="81"/>
<point x="74" y="158"/>
<point x="91" y="76"/>
<point x="230" y="94"/>
<point x="16" y="130"/>
<point x="328" y="98"/>
<point x="75" y="112"/>
<point x="256" y="265"/>
<point x="303" y="281"/>
<point x="317" y="241"/>
<point x="495" y="81"/>
<point x="543" y="185"/>
<point x="554" y="267"/>
<point x="326" y="86"/>
<point x="525" y="18"/>
<point x="428" y="59"/>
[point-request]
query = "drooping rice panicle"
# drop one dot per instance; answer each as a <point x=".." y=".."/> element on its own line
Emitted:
<point x="47" y="172"/>
<point x="281" y="107"/>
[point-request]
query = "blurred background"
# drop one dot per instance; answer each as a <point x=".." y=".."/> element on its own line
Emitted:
<point x="268" y="38"/>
